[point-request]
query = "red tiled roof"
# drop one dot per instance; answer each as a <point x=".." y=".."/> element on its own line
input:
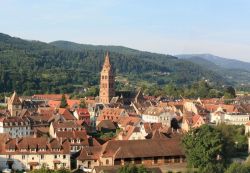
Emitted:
<point x="66" y="114"/>
<point x="83" y="112"/>
<point x="54" y="104"/>
<point x="49" y="96"/>
<point x="45" y="144"/>
<point x="72" y="103"/>
<point x="142" y="148"/>
<point x="90" y="153"/>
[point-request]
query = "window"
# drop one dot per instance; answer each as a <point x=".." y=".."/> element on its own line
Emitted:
<point x="42" y="157"/>
<point x="23" y="157"/>
<point x="55" y="156"/>
<point x="107" y="161"/>
<point x="155" y="160"/>
<point x="64" y="156"/>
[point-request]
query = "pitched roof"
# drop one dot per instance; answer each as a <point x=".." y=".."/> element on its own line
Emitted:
<point x="72" y="103"/>
<point x="66" y="114"/>
<point x="48" y="145"/>
<point x="83" y="112"/>
<point x="142" y="148"/>
<point x="67" y="124"/>
<point x="14" y="100"/>
<point x="90" y="153"/>
<point x="106" y="124"/>
<point x="49" y="96"/>
<point x="124" y="121"/>
<point x="154" y="111"/>
<point x="54" y="103"/>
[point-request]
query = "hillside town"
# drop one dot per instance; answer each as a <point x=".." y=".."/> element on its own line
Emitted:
<point x="100" y="134"/>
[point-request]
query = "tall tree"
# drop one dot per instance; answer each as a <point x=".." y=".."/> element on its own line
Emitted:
<point x="64" y="103"/>
<point x="229" y="93"/>
<point x="204" y="149"/>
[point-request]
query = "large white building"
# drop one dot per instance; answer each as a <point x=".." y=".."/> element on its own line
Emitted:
<point x="229" y="117"/>
<point x="158" y="115"/>
<point x="32" y="153"/>
<point x="15" y="126"/>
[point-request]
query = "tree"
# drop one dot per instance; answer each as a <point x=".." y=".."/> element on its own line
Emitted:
<point x="204" y="148"/>
<point x="83" y="104"/>
<point x="229" y="93"/>
<point x="64" y="103"/>
<point x="133" y="169"/>
<point x="238" y="168"/>
<point x="236" y="140"/>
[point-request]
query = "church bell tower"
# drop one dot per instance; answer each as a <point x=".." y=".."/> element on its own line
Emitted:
<point x="107" y="82"/>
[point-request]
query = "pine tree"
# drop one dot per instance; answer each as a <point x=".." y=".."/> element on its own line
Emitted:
<point x="64" y="103"/>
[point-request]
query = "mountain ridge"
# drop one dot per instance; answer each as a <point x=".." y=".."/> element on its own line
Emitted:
<point x="221" y="61"/>
<point x="37" y="67"/>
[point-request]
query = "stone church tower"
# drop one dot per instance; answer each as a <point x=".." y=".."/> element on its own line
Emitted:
<point x="14" y="105"/>
<point x="107" y="82"/>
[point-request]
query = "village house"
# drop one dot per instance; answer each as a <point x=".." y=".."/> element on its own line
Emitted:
<point x="112" y="114"/>
<point x="73" y="132"/>
<point x="155" y="114"/>
<point x="82" y="114"/>
<point x="190" y="121"/>
<point x="230" y="114"/>
<point x="131" y="133"/>
<point x="15" y="126"/>
<point x="30" y="153"/>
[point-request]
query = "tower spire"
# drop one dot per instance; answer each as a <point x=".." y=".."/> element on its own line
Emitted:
<point x="107" y="61"/>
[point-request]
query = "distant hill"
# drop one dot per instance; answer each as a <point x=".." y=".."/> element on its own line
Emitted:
<point x="37" y="67"/>
<point x="234" y="70"/>
<point x="222" y="62"/>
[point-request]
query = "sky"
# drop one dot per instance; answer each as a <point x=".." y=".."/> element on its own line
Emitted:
<point x="219" y="27"/>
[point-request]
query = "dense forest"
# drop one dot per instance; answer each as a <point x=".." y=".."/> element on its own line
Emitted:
<point x="62" y="67"/>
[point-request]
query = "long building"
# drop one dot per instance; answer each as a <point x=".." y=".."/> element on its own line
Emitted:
<point x="150" y="152"/>
<point x="30" y="153"/>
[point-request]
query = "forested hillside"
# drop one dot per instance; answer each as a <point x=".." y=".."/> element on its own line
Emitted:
<point x="235" y="70"/>
<point x="36" y="67"/>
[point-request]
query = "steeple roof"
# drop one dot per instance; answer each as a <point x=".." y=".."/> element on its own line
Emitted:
<point x="14" y="100"/>
<point x="107" y="61"/>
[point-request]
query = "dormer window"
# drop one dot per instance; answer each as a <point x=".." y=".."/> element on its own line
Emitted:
<point x="42" y="149"/>
<point x="11" y="149"/>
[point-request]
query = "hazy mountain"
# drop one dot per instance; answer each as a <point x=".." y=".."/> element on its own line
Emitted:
<point x="222" y="62"/>
<point x="234" y="70"/>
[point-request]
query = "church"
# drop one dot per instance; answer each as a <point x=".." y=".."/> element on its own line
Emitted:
<point x="107" y="82"/>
